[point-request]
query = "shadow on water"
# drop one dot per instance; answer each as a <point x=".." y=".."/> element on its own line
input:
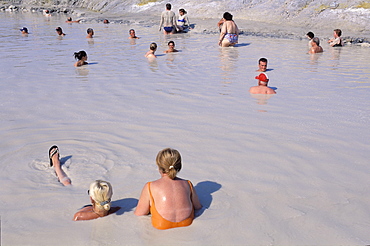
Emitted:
<point x="242" y="44"/>
<point x="126" y="204"/>
<point x="204" y="190"/>
<point x="64" y="159"/>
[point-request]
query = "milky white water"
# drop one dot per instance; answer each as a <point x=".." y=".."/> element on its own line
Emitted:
<point x="287" y="170"/>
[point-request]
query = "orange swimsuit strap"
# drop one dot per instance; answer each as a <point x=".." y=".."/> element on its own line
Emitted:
<point x="161" y="223"/>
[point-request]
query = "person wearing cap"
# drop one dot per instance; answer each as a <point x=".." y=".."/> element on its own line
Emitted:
<point x="59" y="31"/>
<point x="316" y="48"/>
<point x="262" y="65"/>
<point x="24" y="30"/>
<point x="262" y="87"/>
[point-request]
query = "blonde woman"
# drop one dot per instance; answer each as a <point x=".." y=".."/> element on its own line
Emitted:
<point x="100" y="196"/>
<point x="170" y="200"/>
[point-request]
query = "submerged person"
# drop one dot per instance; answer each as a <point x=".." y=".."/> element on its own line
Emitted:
<point x="316" y="48"/>
<point x="100" y="193"/>
<point x="170" y="200"/>
<point x="171" y="47"/>
<point x="60" y="31"/>
<point x="183" y="20"/>
<point x="24" y="30"/>
<point x="262" y="86"/>
<point x="337" y="40"/>
<point x="105" y="21"/>
<point x="81" y="58"/>
<point x="262" y="65"/>
<point x="229" y="32"/>
<point x="55" y="162"/>
<point x="69" y="20"/>
<point x="90" y="33"/>
<point x="152" y="49"/>
<point x="310" y="36"/>
<point x="132" y="34"/>
<point x="168" y="20"/>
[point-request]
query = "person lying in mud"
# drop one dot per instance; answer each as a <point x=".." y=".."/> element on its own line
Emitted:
<point x="100" y="193"/>
<point x="55" y="162"/>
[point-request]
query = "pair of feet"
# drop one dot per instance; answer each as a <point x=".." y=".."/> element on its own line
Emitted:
<point x="55" y="162"/>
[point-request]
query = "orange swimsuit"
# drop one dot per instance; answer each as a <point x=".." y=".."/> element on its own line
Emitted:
<point x="161" y="223"/>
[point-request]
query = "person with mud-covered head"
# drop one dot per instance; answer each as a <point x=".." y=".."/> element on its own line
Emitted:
<point x="170" y="200"/>
<point x="229" y="32"/>
<point x="168" y="20"/>
<point x="316" y="48"/>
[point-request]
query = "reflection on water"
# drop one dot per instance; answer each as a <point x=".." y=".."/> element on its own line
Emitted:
<point x="335" y="56"/>
<point x="228" y="57"/>
<point x="261" y="99"/>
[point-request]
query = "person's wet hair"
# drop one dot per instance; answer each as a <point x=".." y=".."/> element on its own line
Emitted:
<point x="153" y="46"/>
<point x="316" y="40"/>
<point x="169" y="161"/>
<point x="262" y="60"/>
<point x="310" y="35"/>
<point x="69" y="19"/>
<point x="338" y="32"/>
<point x="131" y="30"/>
<point x="171" y="42"/>
<point x="168" y="6"/>
<point x="80" y="54"/>
<point x="183" y="11"/>
<point x="89" y="30"/>
<point x="228" y="16"/>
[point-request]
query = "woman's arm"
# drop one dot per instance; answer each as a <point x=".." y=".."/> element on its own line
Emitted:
<point x="143" y="207"/>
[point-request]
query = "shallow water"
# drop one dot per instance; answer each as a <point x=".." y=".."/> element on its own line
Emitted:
<point x="289" y="169"/>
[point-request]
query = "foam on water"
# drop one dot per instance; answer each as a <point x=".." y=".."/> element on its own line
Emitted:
<point x="287" y="169"/>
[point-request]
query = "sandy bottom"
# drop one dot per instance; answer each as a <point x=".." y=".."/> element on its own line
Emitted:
<point x="291" y="169"/>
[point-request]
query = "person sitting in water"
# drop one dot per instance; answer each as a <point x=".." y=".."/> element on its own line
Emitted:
<point x="168" y="20"/>
<point x="90" y="33"/>
<point x="24" y="30"/>
<point x="171" y="47"/>
<point x="337" y="40"/>
<point x="316" y="48"/>
<point x="132" y="34"/>
<point x="310" y="36"/>
<point x="100" y="196"/>
<point x="81" y="58"/>
<point x="152" y="49"/>
<point x="170" y="200"/>
<point x="229" y="32"/>
<point x="262" y="65"/>
<point x="183" y="20"/>
<point x="69" y="20"/>
<point x="60" y="31"/>
<point x="262" y="86"/>
<point x="55" y="162"/>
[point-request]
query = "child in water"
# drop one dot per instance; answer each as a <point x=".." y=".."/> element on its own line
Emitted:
<point x="81" y="56"/>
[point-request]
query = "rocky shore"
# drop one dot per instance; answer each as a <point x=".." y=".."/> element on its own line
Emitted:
<point x="291" y="23"/>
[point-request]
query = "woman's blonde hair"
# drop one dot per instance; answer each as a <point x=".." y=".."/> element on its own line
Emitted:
<point x="101" y="192"/>
<point x="169" y="162"/>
